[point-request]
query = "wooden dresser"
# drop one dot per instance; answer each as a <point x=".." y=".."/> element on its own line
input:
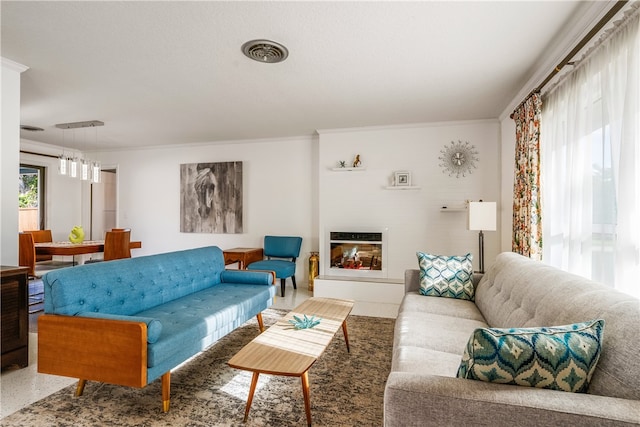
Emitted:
<point x="15" y="316"/>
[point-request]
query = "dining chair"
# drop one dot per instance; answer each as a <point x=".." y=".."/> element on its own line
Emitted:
<point x="281" y="253"/>
<point x="46" y="263"/>
<point x="27" y="253"/>
<point x="41" y="236"/>
<point x="116" y="245"/>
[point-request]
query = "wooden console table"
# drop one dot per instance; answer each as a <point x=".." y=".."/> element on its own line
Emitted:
<point x="243" y="256"/>
<point x="15" y="316"/>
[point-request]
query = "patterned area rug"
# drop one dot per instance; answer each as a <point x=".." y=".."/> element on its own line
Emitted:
<point x="346" y="388"/>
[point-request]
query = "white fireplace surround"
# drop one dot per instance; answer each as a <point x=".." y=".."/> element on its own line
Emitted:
<point x="325" y="254"/>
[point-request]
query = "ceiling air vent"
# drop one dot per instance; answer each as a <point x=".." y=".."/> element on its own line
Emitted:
<point x="265" y="51"/>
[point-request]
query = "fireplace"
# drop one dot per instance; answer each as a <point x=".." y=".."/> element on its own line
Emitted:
<point x="356" y="253"/>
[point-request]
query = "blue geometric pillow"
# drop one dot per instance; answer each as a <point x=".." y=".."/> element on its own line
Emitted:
<point x="446" y="276"/>
<point x="557" y="358"/>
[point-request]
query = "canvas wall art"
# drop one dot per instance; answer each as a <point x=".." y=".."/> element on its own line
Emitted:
<point x="211" y="198"/>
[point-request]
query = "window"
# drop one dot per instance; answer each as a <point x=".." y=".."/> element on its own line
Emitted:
<point x="31" y="198"/>
<point x="590" y="144"/>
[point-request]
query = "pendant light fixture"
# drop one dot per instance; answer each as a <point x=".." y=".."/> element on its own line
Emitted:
<point x="95" y="172"/>
<point x="71" y="165"/>
<point x="94" y="166"/>
<point x="63" y="165"/>
<point x="63" y="161"/>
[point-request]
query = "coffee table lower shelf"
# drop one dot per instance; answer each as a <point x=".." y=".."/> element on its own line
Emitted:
<point x="284" y="350"/>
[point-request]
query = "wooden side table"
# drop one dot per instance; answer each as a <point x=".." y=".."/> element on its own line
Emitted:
<point x="243" y="256"/>
<point x="15" y="316"/>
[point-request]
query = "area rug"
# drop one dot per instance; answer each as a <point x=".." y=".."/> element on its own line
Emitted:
<point x="346" y="388"/>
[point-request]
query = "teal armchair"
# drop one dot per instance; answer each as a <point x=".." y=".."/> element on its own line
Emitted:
<point x="281" y="253"/>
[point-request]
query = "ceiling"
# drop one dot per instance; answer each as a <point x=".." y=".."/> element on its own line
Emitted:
<point x="172" y="72"/>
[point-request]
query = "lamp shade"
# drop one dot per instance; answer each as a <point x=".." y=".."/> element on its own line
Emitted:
<point x="482" y="216"/>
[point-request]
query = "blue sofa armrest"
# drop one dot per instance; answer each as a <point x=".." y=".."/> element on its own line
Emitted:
<point x="154" y="326"/>
<point x="254" y="277"/>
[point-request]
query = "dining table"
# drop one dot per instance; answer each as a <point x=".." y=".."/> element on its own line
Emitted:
<point x="66" y="248"/>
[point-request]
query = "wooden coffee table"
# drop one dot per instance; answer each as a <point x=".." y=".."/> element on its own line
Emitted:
<point x="284" y="350"/>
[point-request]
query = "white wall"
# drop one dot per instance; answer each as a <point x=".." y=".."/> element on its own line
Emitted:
<point x="508" y="155"/>
<point x="413" y="217"/>
<point x="278" y="182"/>
<point x="9" y="154"/>
<point x="289" y="188"/>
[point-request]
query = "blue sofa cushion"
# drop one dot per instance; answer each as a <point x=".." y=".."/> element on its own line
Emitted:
<point x="154" y="326"/>
<point x="194" y="322"/>
<point x="131" y="285"/>
<point x="282" y="268"/>
<point x="246" y="277"/>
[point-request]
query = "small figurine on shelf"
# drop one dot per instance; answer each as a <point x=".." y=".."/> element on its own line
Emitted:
<point x="356" y="161"/>
<point x="342" y="163"/>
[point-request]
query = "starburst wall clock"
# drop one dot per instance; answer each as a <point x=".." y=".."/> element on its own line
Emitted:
<point x="458" y="158"/>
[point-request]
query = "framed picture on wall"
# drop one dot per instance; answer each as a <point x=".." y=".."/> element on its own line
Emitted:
<point x="211" y="198"/>
<point x="402" y="178"/>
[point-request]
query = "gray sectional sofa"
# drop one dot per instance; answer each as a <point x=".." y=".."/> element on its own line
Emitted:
<point x="431" y="334"/>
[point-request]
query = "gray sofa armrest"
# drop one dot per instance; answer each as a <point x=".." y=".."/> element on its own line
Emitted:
<point x="412" y="399"/>
<point x="412" y="280"/>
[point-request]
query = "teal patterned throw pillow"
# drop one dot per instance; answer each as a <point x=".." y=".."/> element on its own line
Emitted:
<point x="557" y="358"/>
<point x="446" y="276"/>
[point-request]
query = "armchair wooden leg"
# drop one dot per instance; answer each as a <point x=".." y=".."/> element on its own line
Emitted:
<point x="293" y="279"/>
<point x="282" y="287"/>
<point x="260" y="322"/>
<point x="80" y="387"/>
<point x="166" y="387"/>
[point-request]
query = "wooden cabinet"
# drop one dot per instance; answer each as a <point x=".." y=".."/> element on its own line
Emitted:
<point x="14" y="316"/>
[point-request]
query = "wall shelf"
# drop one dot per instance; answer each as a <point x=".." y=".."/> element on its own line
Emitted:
<point x="402" y="187"/>
<point x="453" y="209"/>
<point x="348" y="169"/>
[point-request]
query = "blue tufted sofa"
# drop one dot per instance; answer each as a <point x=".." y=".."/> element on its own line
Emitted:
<point x="131" y="321"/>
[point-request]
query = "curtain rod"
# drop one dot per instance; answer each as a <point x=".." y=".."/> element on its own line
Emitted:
<point x="582" y="43"/>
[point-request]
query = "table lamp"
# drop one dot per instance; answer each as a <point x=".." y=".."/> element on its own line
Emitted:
<point x="482" y="217"/>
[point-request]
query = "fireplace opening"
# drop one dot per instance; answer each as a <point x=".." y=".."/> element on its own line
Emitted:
<point x="356" y="251"/>
<point x="356" y="256"/>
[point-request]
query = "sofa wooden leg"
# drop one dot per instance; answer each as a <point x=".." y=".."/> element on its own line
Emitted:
<point x="80" y="387"/>
<point x="260" y="322"/>
<point x="282" y="287"/>
<point x="293" y="279"/>
<point x="166" y="387"/>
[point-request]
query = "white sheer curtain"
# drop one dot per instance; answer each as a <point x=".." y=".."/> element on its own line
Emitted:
<point x="590" y="143"/>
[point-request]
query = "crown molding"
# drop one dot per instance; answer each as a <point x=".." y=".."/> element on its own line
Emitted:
<point x="405" y="126"/>
<point x="582" y="22"/>
<point x="13" y="65"/>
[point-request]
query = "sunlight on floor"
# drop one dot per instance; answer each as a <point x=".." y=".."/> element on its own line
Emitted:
<point x="240" y="384"/>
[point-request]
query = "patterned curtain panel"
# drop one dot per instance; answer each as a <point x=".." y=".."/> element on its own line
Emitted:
<point x="527" y="220"/>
